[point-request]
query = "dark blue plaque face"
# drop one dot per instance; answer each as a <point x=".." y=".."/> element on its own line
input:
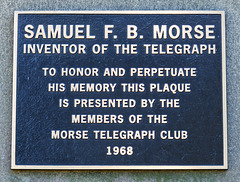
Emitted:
<point x="119" y="90"/>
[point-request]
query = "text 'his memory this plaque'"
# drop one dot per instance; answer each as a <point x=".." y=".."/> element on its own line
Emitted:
<point x="119" y="90"/>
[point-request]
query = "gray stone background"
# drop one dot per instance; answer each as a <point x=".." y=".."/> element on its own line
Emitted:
<point x="232" y="10"/>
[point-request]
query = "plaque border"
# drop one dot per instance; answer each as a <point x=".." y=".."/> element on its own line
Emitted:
<point x="120" y="167"/>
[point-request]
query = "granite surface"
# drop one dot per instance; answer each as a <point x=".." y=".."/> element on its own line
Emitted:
<point x="232" y="10"/>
